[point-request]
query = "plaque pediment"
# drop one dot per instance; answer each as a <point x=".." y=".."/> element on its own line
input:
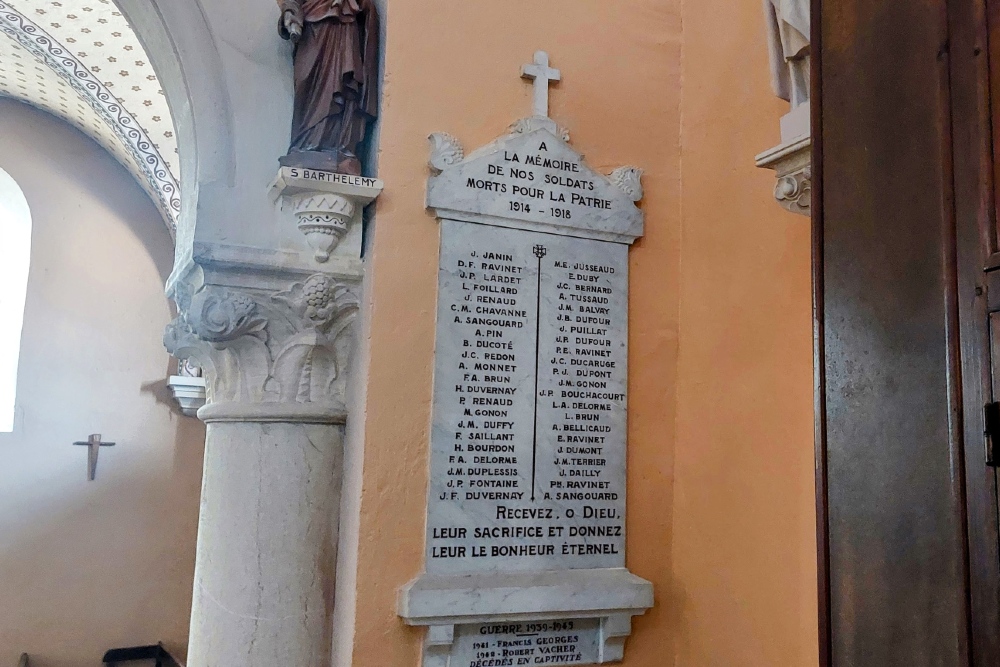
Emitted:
<point x="532" y="179"/>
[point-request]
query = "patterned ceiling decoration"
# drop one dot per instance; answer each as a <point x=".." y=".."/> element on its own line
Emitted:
<point x="81" y="61"/>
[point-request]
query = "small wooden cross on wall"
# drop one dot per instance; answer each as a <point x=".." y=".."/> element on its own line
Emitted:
<point x="94" y="445"/>
<point x="542" y="75"/>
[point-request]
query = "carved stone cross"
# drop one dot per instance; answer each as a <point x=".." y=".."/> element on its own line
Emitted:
<point x="542" y="75"/>
<point x="94" y="444"/>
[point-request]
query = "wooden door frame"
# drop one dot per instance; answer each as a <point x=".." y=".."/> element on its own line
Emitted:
<point x="819" y="333"/>
<point x="975" y="224"/>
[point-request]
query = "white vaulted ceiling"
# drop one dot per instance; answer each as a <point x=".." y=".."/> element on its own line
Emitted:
<point x="81" y="61"/>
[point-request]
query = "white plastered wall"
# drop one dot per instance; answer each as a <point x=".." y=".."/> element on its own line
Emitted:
<point x="87" y="566"/>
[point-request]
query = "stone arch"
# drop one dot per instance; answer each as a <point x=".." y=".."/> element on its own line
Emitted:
<point x="179" y="42"/>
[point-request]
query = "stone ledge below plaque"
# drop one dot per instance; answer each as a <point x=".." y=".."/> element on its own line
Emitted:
<point x="442" y="602"/>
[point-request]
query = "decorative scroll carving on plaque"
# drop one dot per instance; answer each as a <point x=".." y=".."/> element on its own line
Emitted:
<point x="531" y="123"/>
<point x="446" y="150"/>
<point x="629" y="180"/>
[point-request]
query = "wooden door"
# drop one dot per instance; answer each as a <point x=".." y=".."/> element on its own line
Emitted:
<point x="905" y="253"/>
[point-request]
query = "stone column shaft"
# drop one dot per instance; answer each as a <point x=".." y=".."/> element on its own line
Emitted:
<point x="267" y="545"/>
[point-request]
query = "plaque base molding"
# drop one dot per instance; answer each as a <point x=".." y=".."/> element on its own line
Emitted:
<point x="441" y="602"/>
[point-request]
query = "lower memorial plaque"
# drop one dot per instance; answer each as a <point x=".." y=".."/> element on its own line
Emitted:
<point x="566" y="642"/>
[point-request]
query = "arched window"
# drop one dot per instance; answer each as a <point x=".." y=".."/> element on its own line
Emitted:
<point x="15" y="252"/>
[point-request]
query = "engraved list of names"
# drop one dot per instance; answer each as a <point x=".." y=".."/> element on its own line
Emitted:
<point x="529" y="416"/>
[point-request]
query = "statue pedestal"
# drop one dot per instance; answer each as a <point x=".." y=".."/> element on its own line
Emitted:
<point x="328" y="207"/>
<point x="796" y="124"/>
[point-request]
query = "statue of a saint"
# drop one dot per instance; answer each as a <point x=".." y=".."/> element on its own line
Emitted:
<point x="788" y="47"/>
<point x="336" y="80"/>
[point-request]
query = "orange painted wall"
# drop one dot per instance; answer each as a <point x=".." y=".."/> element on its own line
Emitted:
<point x="744" y="550"/>
<point x="730" y="574"/>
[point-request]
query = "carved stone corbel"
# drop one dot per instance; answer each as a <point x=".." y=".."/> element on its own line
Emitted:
<point x="615" y="630"/>
<point x="328" y="208"/>
<point x="437" y="645"/>
<point x="792" y="163"/>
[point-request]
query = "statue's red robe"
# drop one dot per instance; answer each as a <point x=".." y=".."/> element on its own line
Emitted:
<point x="336" y="74"/>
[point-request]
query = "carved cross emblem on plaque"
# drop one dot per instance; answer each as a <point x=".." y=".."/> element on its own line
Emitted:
<point x="94" y="445"/>
<point x="542" y="75"/>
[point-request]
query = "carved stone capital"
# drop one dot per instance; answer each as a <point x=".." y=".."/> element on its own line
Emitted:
<point x="269" y="355"/>
<point x="792" y="163"/>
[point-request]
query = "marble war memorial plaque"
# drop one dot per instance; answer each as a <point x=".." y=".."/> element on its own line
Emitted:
<point x="525" y="544"/>
<point x="528" y="440"/>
